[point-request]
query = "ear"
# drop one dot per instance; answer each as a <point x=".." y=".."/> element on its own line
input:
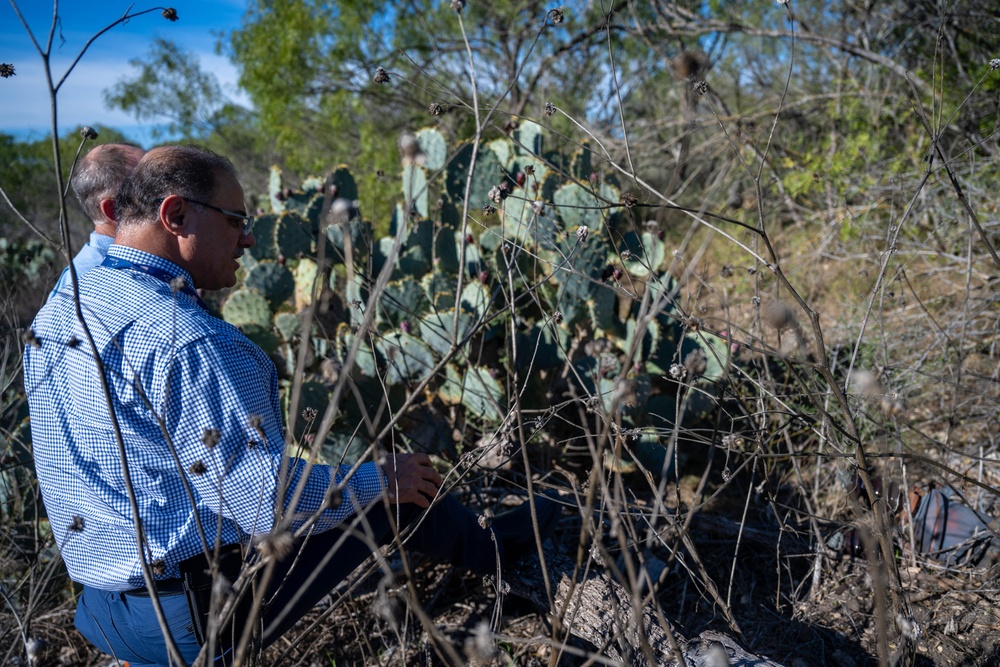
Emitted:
<point x="172" y="214"/>
<point x="108" y="209"/>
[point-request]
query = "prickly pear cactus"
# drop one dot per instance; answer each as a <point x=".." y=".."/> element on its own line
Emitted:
<point x="293" y="236"/>
<point x="272" y="281"/>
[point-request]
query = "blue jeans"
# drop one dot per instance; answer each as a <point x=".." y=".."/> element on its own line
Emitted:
<point x="125" y="626"/>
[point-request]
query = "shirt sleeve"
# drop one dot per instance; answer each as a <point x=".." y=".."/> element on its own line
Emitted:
<point x="224" y="418"/>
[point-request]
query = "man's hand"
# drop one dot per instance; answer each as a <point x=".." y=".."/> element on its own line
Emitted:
<point x="412" y="479"/>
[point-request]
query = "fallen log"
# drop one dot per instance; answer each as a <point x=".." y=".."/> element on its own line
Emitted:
<point x="600" y="611"/>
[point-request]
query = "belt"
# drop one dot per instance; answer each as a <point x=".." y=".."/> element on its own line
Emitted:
<point x="163" y="587"/>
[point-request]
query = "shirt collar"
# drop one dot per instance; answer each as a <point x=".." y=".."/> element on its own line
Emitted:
<point x="141" y="257"/>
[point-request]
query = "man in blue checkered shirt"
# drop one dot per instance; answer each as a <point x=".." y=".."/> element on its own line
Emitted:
<point x="169" y="441"/>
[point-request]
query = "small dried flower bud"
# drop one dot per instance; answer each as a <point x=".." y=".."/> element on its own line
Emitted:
<point x="409" y="146"/>
<point x="381" y="76"/>
<point x="211" y="437"/>
<point x="251" y="443"/>
<point x="995" y="64"/>
<point x="557" y="316"/>
<point x="198" y="468"/>
<point x="73" y="342"/>
<point x="696" y="362"/>
<point x="88" y="132"/>
<point x="494" y="194"/>
<point x="457" y="5"/>
<point x="170" y="14"/>
<point x="77" y="525"/>
<point x="159" y="567"/>
<point x="701" y="87"/>
<point x="677" y="372"/>
<point x="177" y="284"/>
<point x="489" y="210"/>
<point x="6" y="70"/>
<point x="726" y="271"/>
<point x="629" y="200"/>
<point x="485" y="520"/>
<point x="276" y="545"/>
<point x="309" y="413"/>
<point x="550" y="109"/>
<point x="436" y="109"/>
<point x="626" y="255"/>
<point x="538" y="207"/>
<point x="556" y="15"/>
<point x="529" y="170"/>
<point x="581" y="233"/>
<point x="406" y="327"/>
<point x="509" y="126"/>
<point x="29" y="338"/>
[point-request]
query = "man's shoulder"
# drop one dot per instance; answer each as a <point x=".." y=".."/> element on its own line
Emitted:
<point x="124" y="299"/>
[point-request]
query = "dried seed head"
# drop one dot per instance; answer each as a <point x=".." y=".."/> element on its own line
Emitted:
<point x="481" y="647"/>
<point x="696" y="362"/>
<point x="436" y="109"/>
<point x="485" y="519"/>
<point x="550" y="109"/>
<point x="77" y="525"/>
<point x="677" y="372"/>
<point x="159" y="567"/>
<point x="581" y="233"/>
<point x="994" y="64"/>
<point x="538" y="207"/>
<point x="381" y="76"/>
<point x="779" y="315"/>
<point x="494" y="195"/>
<point x="198" y="468"/>
<point x="73" y="341"/>
<point x="556" y="15"/>
<point x="409" y="147"/>
<point x="170" y="14"/>
<point x="626" y="255"/>
<point x="629" y="200"/>
<point x="310" y="413"/>
<point x="509" y="126"/>
<point x="557" y="316"/>
<point x="701" y="87"/>
<point x="457" y="5"/>
<point x="488" y="210"/>
<point x="892" y="406"/>
<point x="6" y="70"/>
<point x="276" y="545"/>
<point x="211" y="437"/>
<point x="529" y="169"/>
<point x="29" y="338"/>
<point x="88" y="132"/>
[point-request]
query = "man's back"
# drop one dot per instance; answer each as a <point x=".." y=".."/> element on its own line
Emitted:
<point x="163" y="357"/>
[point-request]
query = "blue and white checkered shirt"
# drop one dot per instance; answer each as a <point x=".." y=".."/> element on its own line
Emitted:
<point x="173" y="369"/>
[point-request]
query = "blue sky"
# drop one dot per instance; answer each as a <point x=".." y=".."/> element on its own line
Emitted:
<point x="24" y="102"/>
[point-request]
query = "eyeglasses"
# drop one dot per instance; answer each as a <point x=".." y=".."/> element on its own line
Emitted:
<point x="247" y="219"/>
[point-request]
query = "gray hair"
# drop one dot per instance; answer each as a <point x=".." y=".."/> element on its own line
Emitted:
<point x="100" y="174"/>
<point x="188" y="171"/>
